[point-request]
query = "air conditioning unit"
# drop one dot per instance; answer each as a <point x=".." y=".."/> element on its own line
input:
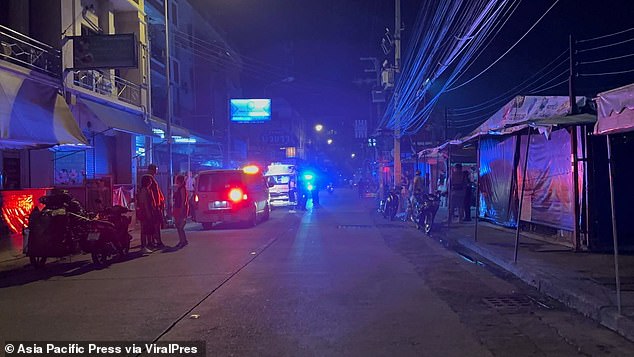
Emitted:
<point x="378" y="96"/>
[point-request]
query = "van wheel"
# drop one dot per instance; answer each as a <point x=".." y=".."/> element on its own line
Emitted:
<point x="253" y="219"/>
<point x="207" y="225"/>
<point x="267" y="212"/>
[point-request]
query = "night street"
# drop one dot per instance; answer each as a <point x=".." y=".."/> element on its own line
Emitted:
<point x="339" y="280"/>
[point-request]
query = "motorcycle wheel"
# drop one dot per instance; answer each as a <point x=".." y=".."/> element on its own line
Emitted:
<point x="392" y="213"/>
<point x="100" y="259"/>
<point x="427" y="223"/>
<point x="38" y="262"/>
<point x="125" y="249"/>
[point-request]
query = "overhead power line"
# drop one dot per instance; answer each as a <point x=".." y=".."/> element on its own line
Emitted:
<point x="606" y="36"/>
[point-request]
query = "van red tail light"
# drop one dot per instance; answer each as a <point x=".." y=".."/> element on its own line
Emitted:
<point x="236" y="195"/>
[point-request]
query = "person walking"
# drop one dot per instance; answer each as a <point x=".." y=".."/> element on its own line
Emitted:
<point x="159" y="199"/>
<point x="181" y="209"/>
<point x="145" y="208"/>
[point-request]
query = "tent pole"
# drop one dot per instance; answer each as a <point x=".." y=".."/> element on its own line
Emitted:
<point x="477" y="212"/>
<point x="615" y="238"/>
<point x="519" y="209"/>
<point x="575" y="189"/>
<point x="448" y="185"/>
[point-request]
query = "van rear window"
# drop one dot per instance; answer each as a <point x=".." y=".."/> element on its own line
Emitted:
<point x="279" y="179"/>
<point x="219" y="181"/>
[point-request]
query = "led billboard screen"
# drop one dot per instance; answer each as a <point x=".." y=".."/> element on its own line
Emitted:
<point x="105" y="51"/>
<point x="250" y="110"/>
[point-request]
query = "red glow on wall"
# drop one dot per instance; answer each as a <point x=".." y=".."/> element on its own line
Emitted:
<point x="17" y="206"/>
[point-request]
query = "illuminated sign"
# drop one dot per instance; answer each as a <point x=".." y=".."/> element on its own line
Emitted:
<point x="250" y="110"/>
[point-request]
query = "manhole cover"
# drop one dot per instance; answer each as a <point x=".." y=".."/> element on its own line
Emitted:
<point x="353" y="226"/>
<point x="509" y="303"/>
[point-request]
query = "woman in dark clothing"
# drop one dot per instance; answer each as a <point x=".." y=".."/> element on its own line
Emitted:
<point x="181" y="209"/>
<point x="146" y="206"/>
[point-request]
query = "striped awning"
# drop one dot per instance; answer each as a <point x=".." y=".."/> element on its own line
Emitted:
<point x="34" y="115"/>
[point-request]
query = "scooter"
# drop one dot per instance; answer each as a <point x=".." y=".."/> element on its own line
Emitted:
<point x="423" y="210"/>
<point x="108" y="235"/>
<point x="57" y="230"/>
<point x="391" y="204"/>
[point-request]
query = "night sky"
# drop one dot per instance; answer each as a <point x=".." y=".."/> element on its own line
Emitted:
<point x="319" y="43"/>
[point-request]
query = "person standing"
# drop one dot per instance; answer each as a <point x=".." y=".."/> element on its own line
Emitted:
<point x="189" y="185"/>
<point x="467" y="196"/>
<point x="181" y="209"/>
<point x="457" y="193"/>
<point x="159" y="199"/>
<point x="145" y="208"/>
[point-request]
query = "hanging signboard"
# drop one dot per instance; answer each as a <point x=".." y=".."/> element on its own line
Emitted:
<point x="105" y="51"/>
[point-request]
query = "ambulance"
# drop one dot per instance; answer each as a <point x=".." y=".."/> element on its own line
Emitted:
<point x="281" y="179"/>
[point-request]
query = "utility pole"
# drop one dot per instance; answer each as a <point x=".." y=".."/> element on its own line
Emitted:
<point x="573" y="144"/>
<point x="170" y="109"/>
<point x="397" y="70"/>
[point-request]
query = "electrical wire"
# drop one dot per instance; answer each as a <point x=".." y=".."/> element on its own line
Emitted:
<point x="550" y="87"/>
<point x="605" y="46"/>
<point x="605" y="36"/>
<point x="607" y="59"/>
<point x="507" y="51"/>
<point x="518" y="88"/>
<point x="605" y="73"/>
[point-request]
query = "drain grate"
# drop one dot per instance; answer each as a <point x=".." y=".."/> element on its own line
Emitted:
<point x="353" y="226"/>
<point x="392" y="225"/>
<point x="509" y="303"/>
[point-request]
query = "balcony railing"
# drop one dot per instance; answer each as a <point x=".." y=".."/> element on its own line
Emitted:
<point x="28" y="52"/>
<point x="107" y="84"/>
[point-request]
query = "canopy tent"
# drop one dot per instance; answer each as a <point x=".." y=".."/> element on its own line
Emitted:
<point x="501" y="155"/>
<point x="616" y="111"/>
<point x="34" y="115"/>
<point x="616" y="115"/>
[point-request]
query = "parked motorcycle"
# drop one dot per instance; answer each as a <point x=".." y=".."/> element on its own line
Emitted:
<point x="108" y="235"/>
<point x="55" y="231"/>
<point x="391" y="203"/>
<point x="423" y="210"/>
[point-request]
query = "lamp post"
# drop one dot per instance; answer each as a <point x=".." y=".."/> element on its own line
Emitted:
<point x="170" y="110"/>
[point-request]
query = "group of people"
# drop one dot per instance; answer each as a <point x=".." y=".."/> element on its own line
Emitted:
<point x="299" y="194"/>
<point x="150" y="208"/>
<point x="460" y="195"/>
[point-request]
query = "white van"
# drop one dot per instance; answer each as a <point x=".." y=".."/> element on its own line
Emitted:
<point x="280" y="178"/>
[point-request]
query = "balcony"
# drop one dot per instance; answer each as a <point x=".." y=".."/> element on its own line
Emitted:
<point x="109" y="85"/>
<point x="24" y="51"/>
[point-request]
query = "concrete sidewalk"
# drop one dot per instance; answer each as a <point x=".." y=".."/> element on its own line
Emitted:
<point x="583" y="281"/>
<point x="11" y="256"/>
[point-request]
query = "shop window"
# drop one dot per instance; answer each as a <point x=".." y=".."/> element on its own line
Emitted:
<point x="70" y="168"/>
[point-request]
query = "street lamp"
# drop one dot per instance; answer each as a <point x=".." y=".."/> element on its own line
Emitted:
<point x="353" y="155"/>
<point x="319" y="127"/>
<point x="329" y="141"/>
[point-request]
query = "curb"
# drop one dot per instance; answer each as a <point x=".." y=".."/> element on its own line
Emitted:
<point x="577" y="299"/>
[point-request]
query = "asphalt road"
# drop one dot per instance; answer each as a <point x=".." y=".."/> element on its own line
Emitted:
<point x="334" y="281"/>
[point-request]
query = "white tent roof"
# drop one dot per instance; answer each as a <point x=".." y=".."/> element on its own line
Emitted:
<point x="616" y="111"/>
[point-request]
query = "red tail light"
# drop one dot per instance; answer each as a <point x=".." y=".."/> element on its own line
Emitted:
<point x="236" y="195"/>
